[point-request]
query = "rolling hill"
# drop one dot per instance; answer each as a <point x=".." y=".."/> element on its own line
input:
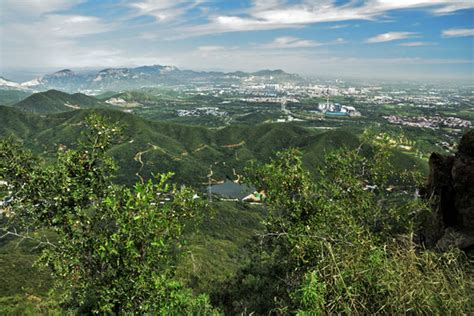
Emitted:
<point x="218" y="248"/>
<point x="188" y="151"/>
<point x="53" y="101"/>
<point x="10" y="97"/>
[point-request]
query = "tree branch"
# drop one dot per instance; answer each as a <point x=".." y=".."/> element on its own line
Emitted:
<point x="26" y="237"/>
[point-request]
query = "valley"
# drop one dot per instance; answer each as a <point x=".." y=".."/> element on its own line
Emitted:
<point x="209" y="134"/>
<point x="259" y="157"/>
<point x="148" y="147"/>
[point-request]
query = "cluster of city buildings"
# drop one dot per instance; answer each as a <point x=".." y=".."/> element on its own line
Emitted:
<point x="425" y="97"/>
<point x="337" y="109"/>
<point x="432" y="122"/>
<point x="270" y="100"/>
<point x="212" y="111"/>
<point x="420" y="101"/>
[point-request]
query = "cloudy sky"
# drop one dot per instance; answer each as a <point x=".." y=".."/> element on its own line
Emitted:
<point x="412" y="39"/>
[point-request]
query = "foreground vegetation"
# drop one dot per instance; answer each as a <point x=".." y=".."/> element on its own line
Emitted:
<point x="340" y="242"/>
<point x="339" y="247"/>
<point x="116" y="247"/>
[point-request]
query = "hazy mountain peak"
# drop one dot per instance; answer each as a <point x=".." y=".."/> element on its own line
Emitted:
<point x="270" y="72"/>
<point x="121" y="78"/>
<point x="63" y="73"/>
<point x="8" y="83"/>
<point x="114" y="71"/>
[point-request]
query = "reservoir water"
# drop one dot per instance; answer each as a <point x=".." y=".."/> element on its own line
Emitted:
<point x="232" y="190"/>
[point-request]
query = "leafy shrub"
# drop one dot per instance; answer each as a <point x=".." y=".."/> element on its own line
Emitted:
<point x="343" y="245"/>
<point x="116" y="247"/>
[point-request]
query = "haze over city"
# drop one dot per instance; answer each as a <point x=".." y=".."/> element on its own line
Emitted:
<point x="391" y="39"/>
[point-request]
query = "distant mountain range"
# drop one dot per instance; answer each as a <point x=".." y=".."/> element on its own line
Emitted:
<point x="118" y="79"/>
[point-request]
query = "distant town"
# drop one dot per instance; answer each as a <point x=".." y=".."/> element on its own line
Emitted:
<point x="217" y="99"/>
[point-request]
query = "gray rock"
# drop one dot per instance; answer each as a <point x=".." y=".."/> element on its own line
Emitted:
<point x="450" y="189"/>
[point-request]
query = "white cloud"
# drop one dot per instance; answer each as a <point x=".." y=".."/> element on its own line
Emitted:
<point x="390" y="36"/>
<point x="52" y="28"/>
<point x="317" y="62"/>
<point x="306" y="62"/>
<point x="210" y="48"/>
<point x="72" y="26"/>
<point x="458" y="32"/>
<point x="454" y="6"/>
<point x="35" y="7"/>
<point x="50" y="39"/>
<point x="436" y="6"/>
<point x="416" y="44"/>
<point x="44" y="33"/>
<point x="336" y="27"/>
<point x="276" y="14"/>
<point x="285" y="42"/>
<point x="266" y="4"/>
<point x="164" y="10"/>
<point x="290" y="42"/>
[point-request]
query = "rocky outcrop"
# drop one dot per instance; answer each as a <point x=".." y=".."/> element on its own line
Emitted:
<point x="450" y="189"/>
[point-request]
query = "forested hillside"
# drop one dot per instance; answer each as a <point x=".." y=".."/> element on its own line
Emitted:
<point x="334" y="233"/>
<point x="188" y="151"/>
<point x="54" y="101"/>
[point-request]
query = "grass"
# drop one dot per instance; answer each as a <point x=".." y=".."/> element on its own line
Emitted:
<point x="10" y="97"/>
<point x="23" y="286"/>
<point x="216" y="250"/>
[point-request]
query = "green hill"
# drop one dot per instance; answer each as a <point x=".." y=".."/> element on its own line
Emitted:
<point x="218" y="249"/>
<point x="10" y="97"/>
<point x="54" y="101"/>
<point x="137" y="96"/>
<point x="105" y="95"/>
<point x="149" y="147"/>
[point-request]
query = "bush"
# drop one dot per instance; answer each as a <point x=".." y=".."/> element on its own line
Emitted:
<point x="343" y="245"/>
<point x="116" y="248"/>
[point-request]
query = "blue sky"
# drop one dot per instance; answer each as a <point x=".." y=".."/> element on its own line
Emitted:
<point x="408" y="39"/>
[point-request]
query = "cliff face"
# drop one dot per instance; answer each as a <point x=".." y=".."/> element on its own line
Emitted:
<point x="450" y="188"/>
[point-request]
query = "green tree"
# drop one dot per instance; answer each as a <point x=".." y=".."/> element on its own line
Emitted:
<point x="344" y="244"/>
<point x="116" y="248"/>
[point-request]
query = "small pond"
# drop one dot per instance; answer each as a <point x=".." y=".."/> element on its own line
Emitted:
<point x="232" y="190"/>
